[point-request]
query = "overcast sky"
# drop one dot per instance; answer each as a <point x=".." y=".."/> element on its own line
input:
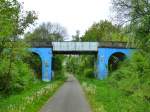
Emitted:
<point x="72" y="14"/>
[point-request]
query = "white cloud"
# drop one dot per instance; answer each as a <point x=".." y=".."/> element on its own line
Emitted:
<point x="72" y="14"/>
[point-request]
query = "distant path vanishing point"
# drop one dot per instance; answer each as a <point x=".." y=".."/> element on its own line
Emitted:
<point x="69" y="98"/>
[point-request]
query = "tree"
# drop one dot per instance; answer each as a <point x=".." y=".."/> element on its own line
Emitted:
<point x="133" y="76"/>
<point x="47" y="32"/>
<point x="81" y="65"/>
<point x="131" y="10"/>
<point x="13" y="22"/>
<point x="76" y="37"/>
<point x="101" y="31"/>
<point x="137" y="14"/>
<point x="104" y="31"/>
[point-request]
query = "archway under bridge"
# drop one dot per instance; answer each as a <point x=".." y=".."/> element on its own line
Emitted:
<point x="114" y="61"/>
<point x="103" y="50"/>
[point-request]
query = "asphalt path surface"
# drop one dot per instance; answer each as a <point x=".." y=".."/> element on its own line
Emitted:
<point x="69" y="98"/>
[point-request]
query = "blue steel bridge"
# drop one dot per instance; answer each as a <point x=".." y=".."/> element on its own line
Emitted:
<point x="108" y="53"/>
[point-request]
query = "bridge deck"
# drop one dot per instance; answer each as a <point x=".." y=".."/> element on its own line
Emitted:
<point x="75" y="47"/>
<point x="78" y="47"/>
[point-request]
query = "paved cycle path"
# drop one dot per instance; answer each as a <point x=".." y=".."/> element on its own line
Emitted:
<point x="69" y="98"/>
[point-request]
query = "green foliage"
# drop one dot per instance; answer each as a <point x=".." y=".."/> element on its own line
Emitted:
<point x="14" y="73"/>
<point x="89" y="73"/>
<point x="47" y="32"/>
<point x="13" y="20"/>
<point x="35" y="64"/>
<point x="58" y="67"/>
<point x="136" y="13"/>
<point x="133" y="76"/>
<point x="31" y="99"/>
<point x="81" y="65"/>
<point x="104" y="31"/>
<point x="104" y="97"/>
<point x="8" y="17"/>
<point x="101" y="31"/>
<point x="72" y="64"/>
<point x="19" y="77"/>
<point x="58" y="62"/>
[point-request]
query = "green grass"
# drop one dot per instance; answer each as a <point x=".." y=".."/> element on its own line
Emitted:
<point x="31" y="99"/>
<point x="105" y="98"/>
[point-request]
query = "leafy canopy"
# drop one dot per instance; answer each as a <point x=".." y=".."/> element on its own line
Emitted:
<point x="104" y="31"/>
<point x="14" y="72"/>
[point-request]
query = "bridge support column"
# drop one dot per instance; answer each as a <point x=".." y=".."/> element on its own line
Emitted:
<point x="46" y="58"/>
<point x="102" y="64"/>
<point x="104" y="55"/>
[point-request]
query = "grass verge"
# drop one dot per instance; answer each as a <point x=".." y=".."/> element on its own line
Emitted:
<point x="104" y="98"/>
<point x="31" y="99"/>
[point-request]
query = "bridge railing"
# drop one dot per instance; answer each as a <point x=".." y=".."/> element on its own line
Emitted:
<point x="80" y="45"/>
<point x="111" y="44"/>
<point x="40" y="44"/>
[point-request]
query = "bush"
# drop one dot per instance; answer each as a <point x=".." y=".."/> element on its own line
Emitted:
<point x="89" y="73"/>
<point x="35" y="64"/>
<point x="133" y="77"/>
<point x="14" y="79"/>
<point x="59" y="75"/>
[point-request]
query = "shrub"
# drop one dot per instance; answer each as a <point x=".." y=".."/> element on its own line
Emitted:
<point x="89" y="73"/>
<point x="133" y="77"/>
<point x="14" y="79"/>
<point x="35" y="64"/>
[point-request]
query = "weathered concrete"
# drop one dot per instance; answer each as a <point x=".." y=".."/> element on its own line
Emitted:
<point x="69" y="98"/>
